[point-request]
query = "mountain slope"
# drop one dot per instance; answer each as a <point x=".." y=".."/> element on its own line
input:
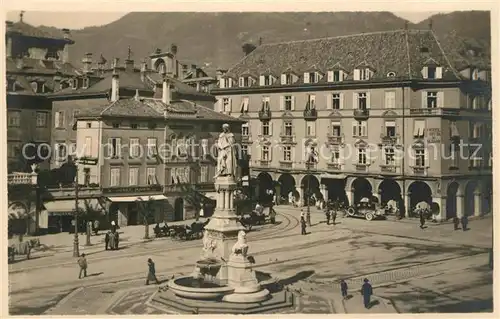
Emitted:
<point x="215" y="39"/>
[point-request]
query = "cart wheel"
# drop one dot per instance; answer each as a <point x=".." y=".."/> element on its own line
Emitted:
<point x="350" y="211"/>
<point x="369" y="216"/>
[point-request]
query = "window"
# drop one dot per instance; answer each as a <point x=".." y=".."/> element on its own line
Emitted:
<point x="475" y="74"/>
<point x="134" y="126"/>
<point x="89" y="124"/>
<point x="34" y="87"/>
<point x="265" y="153"/>
<point x="389" y="156"/>
<point x="88" y="146"/>
<point x="244" y="150"/>
<point x="267" y="80"/>
<point x="432" y="99"/>
<point x="287" y="153"/>
<point x="133" y="176"/>
<point x="226" y="104"/>
<point x="151" y="175"/>
<point x="41" y="119"/>
<point x="289" y="79"/>
<point x="152" y="150"/>
<point x="85" y="83"/>
<point x="13" y="149"/>
<point x="311" y="101"/>
<point x="418" y="128"/>
<point x="336" y="76"/>
<point x="431" y="72"/>
<point x="420" y="158"/>
<point x="364" y="74"/>
<point x="477" y="130"/>
<point x="74" y="83"/>
<point x="362" y="156"/>
<point x="115" y="177"/>
<point x="227" y="82"/>
<point x="181" y="148"/>
<point x="114" y="144"/>
<point x="311" y="128"/>
<point x="454" y="129"/>
<point x="288" y="102"/>
<point x="116" y="125"/>
<point x="203" y="174"/>
<point x="59" y="119"/>
<point x="362" y="102"/>
<point x="335" y="129"/>
<point x="265" y="129"/>
<point x="86" y="176"/>
<point x="335" y="156"/>
<point x="360" y="128"/>
<point x="14" y="118"/>
<point x="336" y="101"/>
<point x="390" y="99"/>
<point x="61" y="151"/>
<point x="266" y="103"/>
<point x="390" y="128"/>
<point x="244" y="104"/>
<point x="204" y="147"/>
<point x="288" y="129"/>
<point x="135" y="148"/>
<point x="312" y="77"/>
<point x="245" y="81"/>
<point x="245" y="129"/>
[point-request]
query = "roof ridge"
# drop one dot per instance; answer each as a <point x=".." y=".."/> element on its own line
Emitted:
<point x="444" y="54"/>
<point x="108" y="107"/>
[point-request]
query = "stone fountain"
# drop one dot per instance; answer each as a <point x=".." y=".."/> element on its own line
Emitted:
<point x="223" y="280"/>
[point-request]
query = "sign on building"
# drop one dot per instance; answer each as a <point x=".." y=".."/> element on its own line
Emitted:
<point x="434" y="135"/>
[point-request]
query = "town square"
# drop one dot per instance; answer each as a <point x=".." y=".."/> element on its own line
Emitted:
<point x="246" y="163"/>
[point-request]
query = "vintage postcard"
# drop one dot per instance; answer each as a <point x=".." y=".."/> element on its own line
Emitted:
<point x="166" y="161"/>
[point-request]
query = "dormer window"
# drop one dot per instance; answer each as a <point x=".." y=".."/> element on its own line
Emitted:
<point x="391" y="74"/>
<point x="74" y="83"/>
<point x="226" y="82"/>
<point x="335" y="75"/>
<point x="312" y="77"/>
<point x="432" y="70"/>
<point x="34" y="86"/>
<point x="362" y="74"/>
<point x="266" y="80"/>
<point x="475" y="74"/>
<point x="85" y="83"/>
<point x="288" y="78"/>
<point x="245" y="81"/>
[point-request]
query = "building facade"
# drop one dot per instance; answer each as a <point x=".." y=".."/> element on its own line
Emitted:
<point x="388" y="115"/>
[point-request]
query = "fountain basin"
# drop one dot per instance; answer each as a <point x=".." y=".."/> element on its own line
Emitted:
<point x="209" y="266"/>
<point x="183" y="287"/>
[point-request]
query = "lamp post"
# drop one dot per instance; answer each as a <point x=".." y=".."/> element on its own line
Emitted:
<point x="309" y="162"/>
<point x="76" y="252"/>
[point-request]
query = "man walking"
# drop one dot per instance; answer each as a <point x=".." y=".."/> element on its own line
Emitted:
<point x="343" y="289"/>
<point x="106" y="240"/>
<point x="366" y="291"/>
<point x="303" y="225"/>
<point x="465" y="221"/>
<point x="82" y="262"/>
<point x="456" y="223"/>
<point x="334" y="215"/>
<point x="422" y="218"/>
<point x="151" y="272"/>
<point x="327" y="214"/>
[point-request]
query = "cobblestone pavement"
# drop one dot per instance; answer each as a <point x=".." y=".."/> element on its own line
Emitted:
<point x="389" y="253"/>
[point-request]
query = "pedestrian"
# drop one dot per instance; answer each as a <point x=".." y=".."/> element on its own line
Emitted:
<point x="106" y="240"/>
<point x="272" y="215"/>
<point x="117" y="240"/>
<point x="343" y="289"/>
<point x="366" y="291"/>
<point x="113" y="226"/>
<point x="456" y="223"/>
<point x="82" y="262"/>
<point x="151" y="272"/>
<point x="303" y="225"/>
<point x="96" y="227"/>
<point x="334" y="216"/>
<point x="465" y="221"/>
<point x="308" y="217"/>
<point x="73" y="222"/>
<point x="422" y="218"/>
<point x="327" y="214"/>
<point x="302" y="213"/>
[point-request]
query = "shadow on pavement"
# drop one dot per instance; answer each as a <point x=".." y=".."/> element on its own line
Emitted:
<point x="373" y="303"/>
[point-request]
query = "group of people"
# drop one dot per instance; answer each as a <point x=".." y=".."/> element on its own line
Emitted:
<point x="366" y="291"/>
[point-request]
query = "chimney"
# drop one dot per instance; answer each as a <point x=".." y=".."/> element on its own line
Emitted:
<point x="65" y="53"/>
<point x="430" y="24"/>
<point x="66" y="33"/>
<point x="87" y="63"/>
<point x="173" y="49"/>
<point x="166" y="94"/>
<point x="129" y="65"/>
<point x="144" y="68"/>
<point x="115" y="63"/>
<point x="115" y="87"/>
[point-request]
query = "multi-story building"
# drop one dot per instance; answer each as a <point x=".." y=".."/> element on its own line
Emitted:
<point x="150" y="148"/>
<point x="383" y="111"/>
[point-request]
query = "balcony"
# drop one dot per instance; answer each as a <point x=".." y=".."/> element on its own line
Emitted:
<point x="264" y="163"/>
<point x="310" y="114"/>
<point x="205" y="187"/>
<point x="361" y="115"/>
<point x="22" y="179"/>
<point x="286" y="164"/>
<point x="361" y="167"/>
<point x="388" y="169"/>
<point x="419" y="170"/>
<point x="265" y="115"/>
<point x="68" y="192"/>
<point x="334" y="139"/>
<point x="133" y="189"/>
<point x="334" y="166"/>
<point x="388" y="139"/>
<point x="287" y="139"/>
<point x="434" y="111"/>
<point x="311" y="166"/>
<point x="247" y="139"/>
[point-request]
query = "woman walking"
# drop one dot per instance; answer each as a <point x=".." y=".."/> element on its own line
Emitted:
<point x="151" y="272"/>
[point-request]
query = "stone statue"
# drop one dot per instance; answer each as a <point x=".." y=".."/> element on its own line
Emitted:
<point x="241" y="247"/>
<point x="208" y="245"/>
<point x="226" y="161"/>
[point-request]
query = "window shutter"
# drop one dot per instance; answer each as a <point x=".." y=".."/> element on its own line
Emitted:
<point x="230" y="82"/>
<point x="222" y="83"/>
<point x="364" y="128"/>
<point x="330" y="76"/>
<point x="270" y="153"/>
<point x="230" y="105"/>
<point x="306" y="77"/>
<point x="341" y="75"/>
<point x="341" y="101"/>
<point x="354" y="128"/>
<point x="355" y="100"/>
<point x="329" y="101"/>
<point x="241" y="82"/>
<point x="313" y="128"/>
<point x="368" y="100"/>
<point x="56" y="119"/>
<point x="425" y="72"/>
<point x="439" y="72"/>
<point x="341" y="155"/>
<point x="426" y="157"/>
<point x="398" y="155"/>
<point x="283" y="78"/>
<point x="261" y="80"/>
<point x="424" y="99"/>
<point x="440" y="99"/>
<point x="271" y="128"/>
<point x="259" y="152"/>
<point x="382" y="149"/>
<point x="356" y="74"/>
<point x="293" y="103"/>
<point x="218" y="105"/>
<point x="282" y="103"/>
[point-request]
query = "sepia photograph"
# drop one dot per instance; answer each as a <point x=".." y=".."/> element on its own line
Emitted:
<point x="326" y="162"/>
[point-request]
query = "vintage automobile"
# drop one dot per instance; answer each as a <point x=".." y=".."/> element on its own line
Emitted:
<point x="367" y="210"/>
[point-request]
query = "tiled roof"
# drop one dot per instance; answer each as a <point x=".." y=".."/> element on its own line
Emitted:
<point x="40" y="67"/>
<point x="177" y="84"/>
<point x="389" y="51"/>
<point x="31" y="31"/>
<point x="154" y="109"/>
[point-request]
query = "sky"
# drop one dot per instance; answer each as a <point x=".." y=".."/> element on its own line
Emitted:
<point x="78" y="20"/>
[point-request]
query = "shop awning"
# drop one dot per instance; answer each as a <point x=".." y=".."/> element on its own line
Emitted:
<point x="125" y="199"/>
<point x="333" y="176"/>
<point x="68" y="206"/>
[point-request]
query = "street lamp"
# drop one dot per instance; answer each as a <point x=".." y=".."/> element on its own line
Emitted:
<point x="311" y="159"/>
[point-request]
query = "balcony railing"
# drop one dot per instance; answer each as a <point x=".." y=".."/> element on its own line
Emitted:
<point x="133" y="189"/>
<point x="388" y="139"/>
<point x="287" y="139"/>
<point x="265" y="115"/>
<point x="286" y="164"/>
<point x="434" y="111"/>
<point x="361" y="167"/>
<point x="246" y="139"/>
<point x="361" y="114"/>
<point x="334" y="139"/>
<point x="334" y="166"/>
<point x="22" y="178"/>
<point x="310" y="114"/>
<point x="264" y="163"/>
<point x="388" y="168"/>
<point x="419" y="170"/>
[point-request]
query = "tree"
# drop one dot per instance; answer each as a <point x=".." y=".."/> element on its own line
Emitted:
<point x="89" y="212"/>
<point x="145" y="209"/>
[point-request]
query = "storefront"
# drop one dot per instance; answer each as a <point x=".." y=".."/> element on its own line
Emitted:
<point x="131" y="210"/>
<point x="60" y="213"/>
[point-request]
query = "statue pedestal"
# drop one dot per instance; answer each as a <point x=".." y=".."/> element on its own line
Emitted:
<point x="242" y="278"/>
<point x="224" y="225"/>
